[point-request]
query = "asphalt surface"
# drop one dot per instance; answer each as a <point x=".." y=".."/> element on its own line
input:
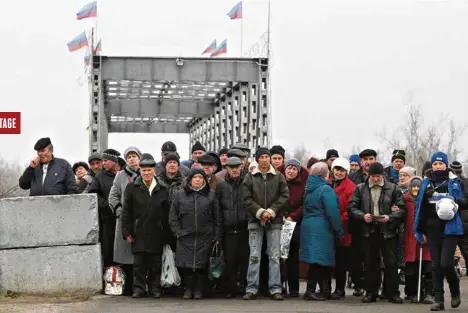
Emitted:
<point x="176" y="305"/>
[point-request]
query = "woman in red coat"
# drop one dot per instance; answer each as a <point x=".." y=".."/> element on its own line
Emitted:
<point x="344" y="188"/>
<point x="412" y="251"/>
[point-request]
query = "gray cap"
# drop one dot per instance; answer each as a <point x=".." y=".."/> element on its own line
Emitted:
<point x="241" y="146"/>
<point x="236" y="153"/>
<point x="233" y="161"/>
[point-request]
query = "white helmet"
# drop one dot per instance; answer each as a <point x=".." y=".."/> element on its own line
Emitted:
<point x="446" y="209"/>
<point x="341" y="162"/>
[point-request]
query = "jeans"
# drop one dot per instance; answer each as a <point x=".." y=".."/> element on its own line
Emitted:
<point x="273" y="237"/>
<point x="442" y="249"/>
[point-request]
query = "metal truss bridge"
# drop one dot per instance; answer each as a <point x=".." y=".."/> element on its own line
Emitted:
<point x="218" y="102"/>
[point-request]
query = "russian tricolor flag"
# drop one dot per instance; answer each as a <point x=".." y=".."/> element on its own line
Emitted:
<point x="89" y="10"/>
<point x="210" y="48"/>
<point x="236" y="11"/>
<point x="87" y="60"/>
<point x="98" y="47"/>
<point x="222" y="48"/>
<point x="79" y="42"/>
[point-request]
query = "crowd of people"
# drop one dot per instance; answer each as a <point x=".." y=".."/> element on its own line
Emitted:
<point x="382" y="226"/>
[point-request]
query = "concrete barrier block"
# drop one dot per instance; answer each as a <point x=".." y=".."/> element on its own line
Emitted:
<point x="51" y="270"/>
<point x="49" y="221"/>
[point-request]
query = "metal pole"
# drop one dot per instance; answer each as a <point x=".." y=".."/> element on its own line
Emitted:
<point x="242" y="35"/>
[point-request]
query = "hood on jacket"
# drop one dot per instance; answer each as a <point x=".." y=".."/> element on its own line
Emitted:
<point x="188" y="186"/>
<point x="314" y="181"/>
<point x="302" y="177"/>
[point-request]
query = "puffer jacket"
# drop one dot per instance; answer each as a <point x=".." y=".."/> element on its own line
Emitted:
<point x="269" y="194"/>
<point x="235" y="216"/>
<point x="361" y="204"/>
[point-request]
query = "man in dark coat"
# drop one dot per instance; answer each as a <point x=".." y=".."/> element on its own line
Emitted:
<point x="169" y="148"/>
<point x="372" y="206"/>
<point x="101" y="185"/>
<point x="95" y="166"/>
<point x="145" y="224"/>
<point x="392" y="172"/>
<point x="265" y="196"/>
<point x="47" y="175"/>
<point x="236" y="235"/>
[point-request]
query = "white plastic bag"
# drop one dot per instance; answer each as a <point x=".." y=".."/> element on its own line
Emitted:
<point x="169" y="275"/>
<point x="286" y="235"/>
<point x="114" y="281"/>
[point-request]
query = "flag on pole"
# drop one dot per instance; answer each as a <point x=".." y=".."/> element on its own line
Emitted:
<point x="222" y="48"/>
<point x="236" y="12"/>
<point x="98" y="47"/>
<point x="79" y="42"/>
<point x="89" y="10"/>
<point x="210" y="48"/>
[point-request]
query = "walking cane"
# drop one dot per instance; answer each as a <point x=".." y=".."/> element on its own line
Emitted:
<point x="419" y="276"/>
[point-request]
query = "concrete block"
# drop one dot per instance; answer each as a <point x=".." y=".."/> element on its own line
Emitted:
<point x="51" y="270"/>
<point x="49" y="221"/>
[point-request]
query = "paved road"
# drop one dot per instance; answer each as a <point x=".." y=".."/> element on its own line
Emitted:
<point x="175" y="305"/>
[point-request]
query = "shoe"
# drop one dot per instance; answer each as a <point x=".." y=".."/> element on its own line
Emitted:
<point x="396" y="300"/>
<point x="249" y="296"/>
<point x="156" y="294"/>
<point x="230" y="296"/>
<point x="383" y="297"/>
<point x="413" y="299"/>
<point x="338" y="294"/>
<point x="138" y="295"/>
<point x="369" y="299"/>
<point x="277" y="296"/>
<point x="428" y="299"/>
<point x="314" y="297"/>
<point x="456" y="301"/>
<point x="438" y="306"/>
<point x="197" y="295"/>
<point x="358" y="292"/>
<point x="294" y="294"/>
<point x="188" y="294"/>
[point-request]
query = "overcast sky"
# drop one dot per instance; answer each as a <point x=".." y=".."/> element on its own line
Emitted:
<point x="341" y="68"/>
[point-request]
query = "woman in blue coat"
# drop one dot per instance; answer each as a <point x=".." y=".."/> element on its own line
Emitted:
<point x="321" y="226"/>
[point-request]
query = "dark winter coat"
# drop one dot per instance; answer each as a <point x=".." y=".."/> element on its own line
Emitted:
<point x="321" y="225"/>
<point x="270" y="194"/>
<point x="358" y="177"/>
<point x="344" y="191"/>
<point x="391" y="175"/>
<point x="145" y="217"/>
<point x="195" y="219"/>
<point x="85" y="184"/>
<point x="294" y="208"/>
<point x="361" y="204"/>
<point x="235" y="216"/>
<point x="60" y="179"/>
<point x="464" y="213"/>
<point x="101" y="185"/>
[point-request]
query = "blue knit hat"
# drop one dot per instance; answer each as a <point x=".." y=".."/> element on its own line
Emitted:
<point x="440" y="156"/>
<point x="294" y="163"/>
<point x="355" y="158"/>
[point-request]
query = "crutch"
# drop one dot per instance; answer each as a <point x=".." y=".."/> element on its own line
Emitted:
<point x="420" y="272"/>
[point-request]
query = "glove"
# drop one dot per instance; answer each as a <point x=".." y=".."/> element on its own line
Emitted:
<point x="429" y="192"/>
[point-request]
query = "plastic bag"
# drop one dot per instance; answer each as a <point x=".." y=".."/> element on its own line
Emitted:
<point x="169" y="275"/>
<point x="216" y="266"/>
<point x="114" y="281"/>
<point x="286" y="235"/>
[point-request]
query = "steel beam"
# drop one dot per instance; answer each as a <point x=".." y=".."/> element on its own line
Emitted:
<point x="155" y="108"/>
<point x="179" y="69"/>
<point x="139" y="127"/>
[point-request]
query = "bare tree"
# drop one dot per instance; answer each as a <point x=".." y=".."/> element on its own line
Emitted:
<point x="421" y="142"/>
<point x="301" y="153"/>
<point x="9" y="175"/>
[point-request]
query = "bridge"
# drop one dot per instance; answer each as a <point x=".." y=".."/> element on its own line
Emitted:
<point x="217" y="101"/>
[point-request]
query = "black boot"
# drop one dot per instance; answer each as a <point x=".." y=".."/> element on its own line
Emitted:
<point x="326" y="290"/>
<point x="428" y="289"/>
<point x="198" y="294"/>
<point x="456" y="301"/>
<point x="311" y="286"/>
<point x="188" y="281"/>
<point x="438" y="306"/>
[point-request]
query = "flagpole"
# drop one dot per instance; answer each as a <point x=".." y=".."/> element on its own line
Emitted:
<point x="242" y="35"/>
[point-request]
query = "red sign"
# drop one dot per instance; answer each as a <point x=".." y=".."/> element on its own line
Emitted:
<point x="10" y="122"/>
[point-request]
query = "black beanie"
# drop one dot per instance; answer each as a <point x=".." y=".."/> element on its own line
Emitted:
<point x="332" y="153"/>
<point x="111" y="155"/>
<point x="399" y="154"/>
<point x="261" y="151"/>
<point x="457" y="167"/>
<point x="277" y="150"/>
<point x="198" y="147"/>
<point x="376" y="169"/>
<point x="172" y="157"/>
<point x="223" y="151"/>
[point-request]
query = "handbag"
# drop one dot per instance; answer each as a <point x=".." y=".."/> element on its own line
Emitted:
<point x="217" y="264"/>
